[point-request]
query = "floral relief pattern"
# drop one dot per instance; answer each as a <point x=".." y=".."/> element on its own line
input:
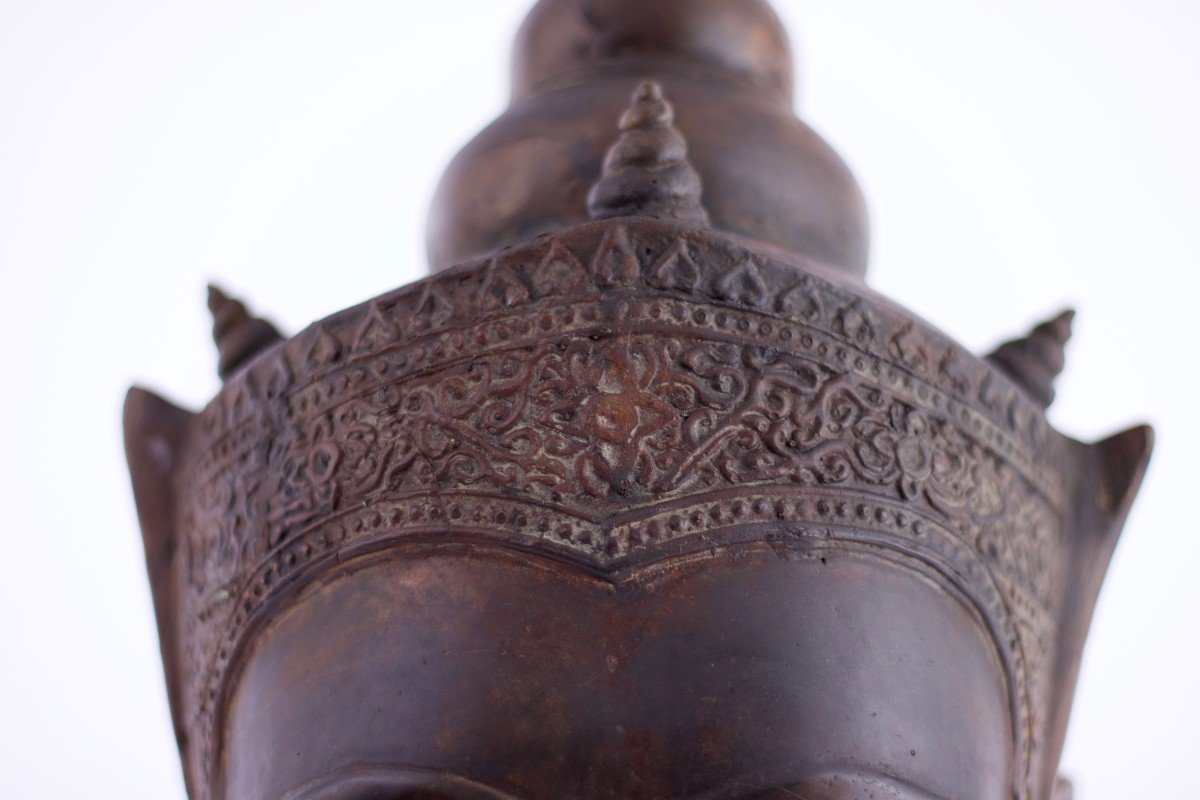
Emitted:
<point x="596" y="376"/>
<point x="632" y="419"/>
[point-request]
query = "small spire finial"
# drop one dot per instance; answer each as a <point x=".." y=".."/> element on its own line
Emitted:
<point x="238" y="334"/>
<point x="646" y="172"/>
<point x="1037" y="359"/>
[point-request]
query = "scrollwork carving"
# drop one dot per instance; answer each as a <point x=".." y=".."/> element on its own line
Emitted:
<point x="512" y="397"/>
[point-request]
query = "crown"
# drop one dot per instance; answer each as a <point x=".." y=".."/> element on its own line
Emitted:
<point x="627" y="390"/>
<point x="678" y="401"/>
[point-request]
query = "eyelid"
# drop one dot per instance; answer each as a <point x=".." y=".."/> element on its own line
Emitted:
<point x="399" y="782"/>
<point x="850" y="785"/>
<point x="394" y="782"/>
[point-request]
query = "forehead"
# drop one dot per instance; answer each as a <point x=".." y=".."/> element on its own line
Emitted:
<point x="471" y="671"/>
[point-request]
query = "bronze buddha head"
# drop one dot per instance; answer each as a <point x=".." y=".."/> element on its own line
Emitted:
<point x="643" y="494"/>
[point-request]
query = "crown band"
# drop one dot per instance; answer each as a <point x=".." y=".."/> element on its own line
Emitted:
<point x="706" y="390"/>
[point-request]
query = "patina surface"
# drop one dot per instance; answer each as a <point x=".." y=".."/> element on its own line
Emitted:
<point x="643" y="502"/>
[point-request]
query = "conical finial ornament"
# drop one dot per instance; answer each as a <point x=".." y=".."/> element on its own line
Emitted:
<point x="1037" y="359"/>
<point x="238" y="334"/>
<point x="646" y="172"/>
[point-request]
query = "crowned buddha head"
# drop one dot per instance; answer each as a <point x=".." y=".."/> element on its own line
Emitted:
<point x="641" y="494"/>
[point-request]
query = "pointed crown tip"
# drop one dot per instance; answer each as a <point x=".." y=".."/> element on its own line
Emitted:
<point x="649" y="90"/>
<point x="646" y="172"/>
<point x="1035" y="360"/>
<point x="238" y="334"/>
<point x="216" y="296"/>
<point x="1057" y="327"/>
<point x="1065" y="320"/>
<point x="647" y="108"/>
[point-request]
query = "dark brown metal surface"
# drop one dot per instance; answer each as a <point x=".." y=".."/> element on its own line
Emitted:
<point x="649" y="497"/>
<point x="726" y="66"/>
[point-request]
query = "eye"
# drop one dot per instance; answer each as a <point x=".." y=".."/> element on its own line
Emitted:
<point x="357" y="791"/>
<point x="402" y="794"/>
<point x="843" y="786"/>
<point x="395" y="783"/>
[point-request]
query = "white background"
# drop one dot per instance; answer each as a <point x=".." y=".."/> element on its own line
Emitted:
<point x="1018" y="156"/>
